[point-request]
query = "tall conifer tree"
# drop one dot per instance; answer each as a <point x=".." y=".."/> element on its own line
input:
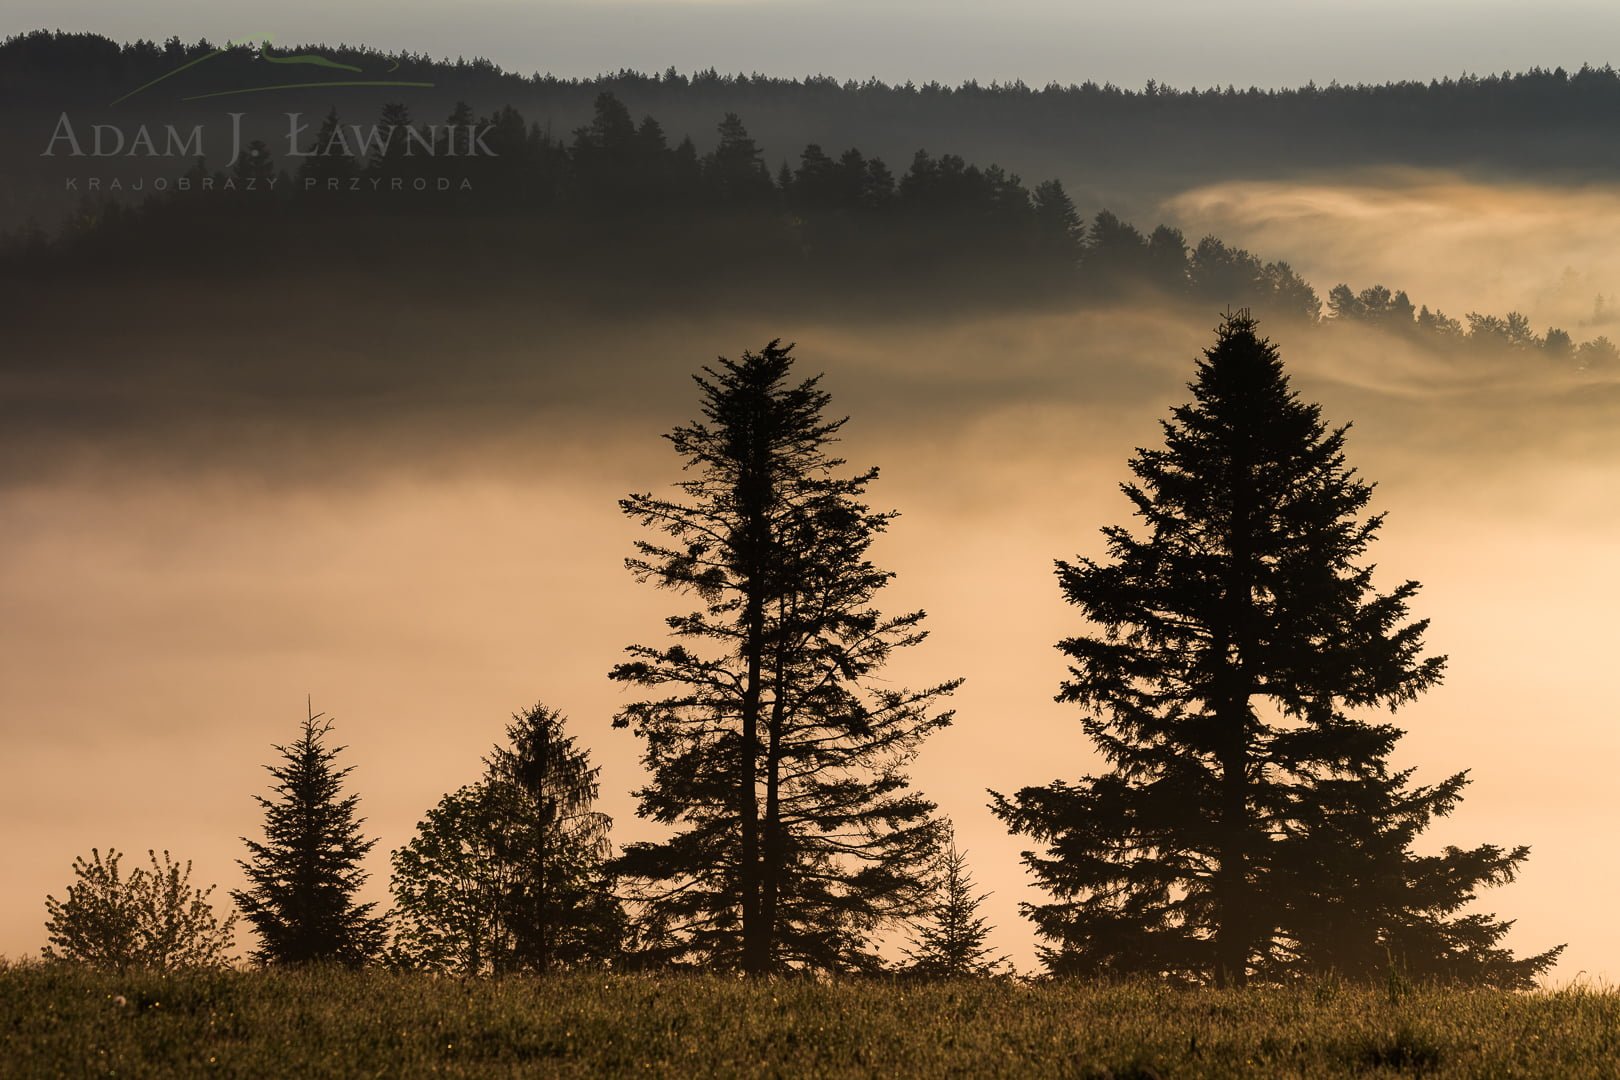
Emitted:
<point x="774" y="750"/>
<point x="1249" y="823"/>
<point x="330" y="157"/>
<point x="560" y="909"/>
<point x="304" y="875"/>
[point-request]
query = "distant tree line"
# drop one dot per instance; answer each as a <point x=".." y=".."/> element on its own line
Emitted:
<point x="1247" y="826"/>
<point x="626" y="184"/>
<point x="620" y="197"/>
<point x="1376" y="306"/>
<point x="1554" y="117"/>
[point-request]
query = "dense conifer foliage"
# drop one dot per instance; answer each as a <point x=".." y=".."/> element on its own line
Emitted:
<point x="775" y="750"/>
<point x="1249" y="823"/>
<point x="304" y="875"/>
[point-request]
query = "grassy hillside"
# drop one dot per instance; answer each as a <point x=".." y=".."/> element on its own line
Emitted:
<point x="58" y="1021"/>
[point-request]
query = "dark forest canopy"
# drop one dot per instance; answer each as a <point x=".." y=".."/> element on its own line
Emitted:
<point x="620" y="200"/>
<point x="1112" y="145"/>
<point x="622" y="195"/>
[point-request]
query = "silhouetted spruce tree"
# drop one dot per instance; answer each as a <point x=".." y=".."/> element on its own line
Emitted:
<point x="1117" y="255"/>
<point x="871" y="180"/>
<point x="304" y="876"/>
<point x="561" y="910"/>
<point x="1599" y="355"/>
<point x="617" y="167"/>
<point x="651" y="139"/>
<point x="611" y="133"/>
<point x="1166" y="263"/>
<point x="508" y="875"/>
<point x="952" y="941"/>
<point x="774" y="750"/>
<point x="329" y="157"/>
<point x="1558" y="345"/>
<point x="817" y="185"/>
<point x="735" y="169"/>
<point x="1249" y="823"/>
<point x="1059" y="230"/>
<point x="396" y="149"/>
<point x="451" y="138"/>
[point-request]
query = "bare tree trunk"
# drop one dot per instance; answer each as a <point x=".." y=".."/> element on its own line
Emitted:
<point x="754" y="945"/>
<point x="1232" y="934"/>
<point x="754" y="493"/>
<point x="774" y="853"/>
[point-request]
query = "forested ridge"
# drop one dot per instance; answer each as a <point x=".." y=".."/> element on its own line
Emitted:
<point x="621" y="199"/>
<point x="1121" y="147"/>
<point x="67" y="67"/>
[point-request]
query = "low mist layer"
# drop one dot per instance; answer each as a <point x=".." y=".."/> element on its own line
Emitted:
<point x="406" y="508"/>
<point x="1450" y="241"/>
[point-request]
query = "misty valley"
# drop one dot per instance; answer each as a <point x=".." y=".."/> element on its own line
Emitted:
<point x="696" y="574"/>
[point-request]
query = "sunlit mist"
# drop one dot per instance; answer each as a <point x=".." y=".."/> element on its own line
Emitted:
<point x="424" y="570"/>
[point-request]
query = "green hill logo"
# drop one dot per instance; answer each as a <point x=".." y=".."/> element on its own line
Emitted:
<point x="108" y="140"/>
<point x="284" y="64"/>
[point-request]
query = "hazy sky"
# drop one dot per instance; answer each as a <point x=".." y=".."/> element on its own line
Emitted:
<point x="431" y="542"/>
<point x="1181" y="42"/>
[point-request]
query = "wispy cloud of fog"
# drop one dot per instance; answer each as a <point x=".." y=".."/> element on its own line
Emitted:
<point x="308" y="388"/>
<point x="1450" y="242"/>
<point x="406" y="507"/>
